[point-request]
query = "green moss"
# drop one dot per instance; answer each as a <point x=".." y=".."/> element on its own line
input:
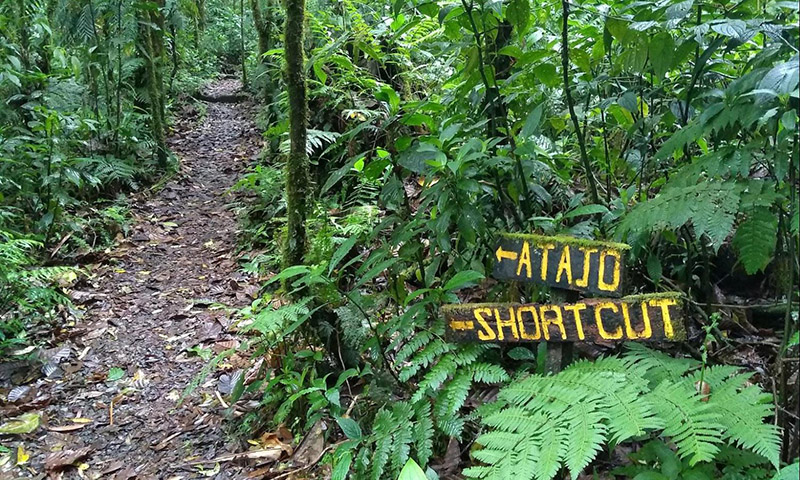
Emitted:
<point x="563" y="239"/>
<point x="650" y="296"/>
<point x="627" y="299"/>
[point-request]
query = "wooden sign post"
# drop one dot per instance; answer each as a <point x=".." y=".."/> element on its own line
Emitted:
<point x="569" y="266"/>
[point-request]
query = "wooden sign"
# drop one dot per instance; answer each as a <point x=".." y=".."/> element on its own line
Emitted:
<point x="652" y="317"/>
<point x="561" y="262"/>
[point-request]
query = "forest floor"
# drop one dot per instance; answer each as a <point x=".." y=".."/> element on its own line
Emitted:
<point x="159" y="301"/>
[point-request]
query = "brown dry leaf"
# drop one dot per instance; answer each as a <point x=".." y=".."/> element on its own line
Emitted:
<point x="67" y="428"/>
<point x="450" y="463"/>
<point x="56" y="461"/>
<point x="273" y="440"/>
<point x="704" y="389"/>
<point x="312" y="446"/>
<point x="126" y="474"/>
<point x="263" y="455"/>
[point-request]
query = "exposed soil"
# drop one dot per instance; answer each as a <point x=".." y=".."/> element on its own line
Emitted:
<point x="167" y="287"/>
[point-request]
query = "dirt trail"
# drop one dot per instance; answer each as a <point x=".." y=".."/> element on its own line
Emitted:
<point x="154" y="300"/>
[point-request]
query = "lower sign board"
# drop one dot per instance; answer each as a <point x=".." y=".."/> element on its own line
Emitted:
<point x="652" y="317"/>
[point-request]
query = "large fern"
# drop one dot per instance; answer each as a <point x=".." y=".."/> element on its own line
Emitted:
<point x="546" y="422"/>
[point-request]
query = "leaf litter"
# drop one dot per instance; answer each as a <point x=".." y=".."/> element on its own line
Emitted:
<point x="106" y="392"/>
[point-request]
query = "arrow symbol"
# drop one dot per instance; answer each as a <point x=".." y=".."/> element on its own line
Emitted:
<point x="505" y="254"/>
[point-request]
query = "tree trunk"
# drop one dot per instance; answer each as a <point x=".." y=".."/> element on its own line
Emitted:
<point x="241" y="43"/>
<point x="263" y="27"/>
<point x="262" y="19"/>
<point x="154" y="87"/>
<point x="297" y="163"/>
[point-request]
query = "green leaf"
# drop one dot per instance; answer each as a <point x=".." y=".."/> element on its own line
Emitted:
<point x="521" y="353"/>
<point x="518" y="14"/>
<point x="115" y="374"/>
<point x="341" y="252"/>
<point x="679" y="10"/>
<point x="586" y="210"/>
<point x="792" y="472"/>
<point x="25" y="423"/>
<point x="320" y="72"/>
<point x="730" y="28"/>
<point x="662" y="50"/>
<point x="289" y="272"/>
<point x="654" y="269"/>
<point x="783" y="78"/>
<point x="618" y="28"/>
<point x="532" y="122"/>
<point x="462" y="279"/>
<point x="652" y="475"/>
<point x="350" y="428"/>
<point x="342" y="467"/>
<point x="547" y="74"/>
<point x="412" y="471"/>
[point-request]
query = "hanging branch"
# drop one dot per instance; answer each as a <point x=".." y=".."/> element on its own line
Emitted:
<point x="587" y="167"/>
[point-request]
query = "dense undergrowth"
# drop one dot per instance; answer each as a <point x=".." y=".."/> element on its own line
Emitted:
<point x="432" y="127"/>
<point x="671" y="126"/>
<point x="88" y="93"/>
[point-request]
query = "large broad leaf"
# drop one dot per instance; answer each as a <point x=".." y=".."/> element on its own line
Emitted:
<point x="679" y="10"/>
<point x="783" y="78"/>
<point x="586" y="210"/>
<point x="412" y="471"/>
<point x="518" y="13"/>
<point x="532" y="122"/>
<point x="350" y="428"/>
<point x="547" y="74"/>
<point x="462" y="279"/>
<point x="662" y="51"/>
<point x="730" y="28"/>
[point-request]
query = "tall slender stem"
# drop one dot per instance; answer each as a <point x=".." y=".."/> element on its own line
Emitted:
<point x="587" y="167"/>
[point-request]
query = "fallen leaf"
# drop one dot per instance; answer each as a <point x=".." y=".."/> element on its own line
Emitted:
<point x="66" y="458"/>
<point x="115" y="373"/>
<point x="312" y="446"/>
<point x="18" y="392"/>
<point x="22" y="456"/>
<point x="228" y="382"/>
<point x="82" y="420"/>
<point x="23" y="351"/>
<point x="209" y="473"/>
<point x="25" y="423"/>
<point x="265" y="455"/>
<point x="66" y="428"/>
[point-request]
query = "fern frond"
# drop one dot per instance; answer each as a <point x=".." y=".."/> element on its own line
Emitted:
<point x="488" y="373"/>
<point x="658" y="365"/>
<point x="692" y="424"/>
<point x="587" y="435"/>
<point x="382" y="429"/>
<point x="452" y="397"/>
<point x="435" y="377"/>
<point x="551" y="449"/>
<point x="423" y="433"/>
<point x="755" y="239"/>
<point x="516" y="420"/>
<point x="742" y="411"/>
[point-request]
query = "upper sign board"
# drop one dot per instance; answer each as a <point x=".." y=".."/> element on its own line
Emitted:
<point x="562" y="262"/>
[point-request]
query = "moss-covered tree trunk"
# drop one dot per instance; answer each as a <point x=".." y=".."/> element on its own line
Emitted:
<point x="297" y="163"/>
<point x="151" y="53"/>
<point x="262" y="22"/>
<point x="262" y="19"/>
